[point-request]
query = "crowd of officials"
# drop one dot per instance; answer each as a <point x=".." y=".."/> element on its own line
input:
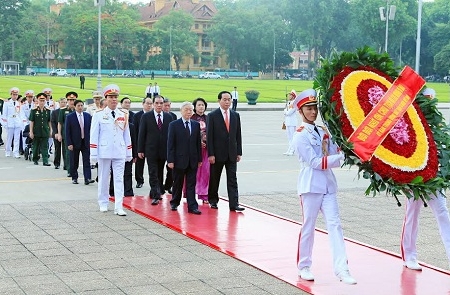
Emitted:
<point x="184" y="158"/>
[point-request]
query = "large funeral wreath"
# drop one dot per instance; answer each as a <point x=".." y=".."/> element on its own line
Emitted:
<point x="414" y="159"/>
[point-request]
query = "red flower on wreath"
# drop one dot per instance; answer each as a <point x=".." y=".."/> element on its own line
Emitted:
<point x="409" y="150"/>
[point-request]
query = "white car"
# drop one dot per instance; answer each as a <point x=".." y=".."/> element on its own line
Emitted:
<point x="58" y="72"/>
<point x="209" y="75"/>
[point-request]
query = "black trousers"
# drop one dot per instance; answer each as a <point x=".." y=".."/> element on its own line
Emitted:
<point x="169" y="178"/>
<point x="139" y="170"/>
<point x="57" y="155"/>
<point x="179" y="175"/>
<point x="75" y="162"/>
<point x="156" y="174"/>
<point x="214" y="181"/>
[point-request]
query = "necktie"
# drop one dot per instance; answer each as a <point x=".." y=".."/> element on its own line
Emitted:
<point x="29" y="106"/>
<point x="113" y="114"/>
<point x="227" y="121"/>
<point x="317" y="130"/>
<point x="159" y="122"/>
<point x="80" y="119"/>
<point x="187" y="128"/>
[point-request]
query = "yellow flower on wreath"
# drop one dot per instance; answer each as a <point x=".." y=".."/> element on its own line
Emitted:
<point x="418" y="160"/>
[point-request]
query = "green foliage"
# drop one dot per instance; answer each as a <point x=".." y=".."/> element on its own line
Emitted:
<point x="417" y="188"/>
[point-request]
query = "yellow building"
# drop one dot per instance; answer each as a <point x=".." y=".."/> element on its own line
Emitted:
<point x="202" y="11"/>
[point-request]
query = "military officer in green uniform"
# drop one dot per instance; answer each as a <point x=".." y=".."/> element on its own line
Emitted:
<point x="71" y="96"/>
<point x="40" y="130"/>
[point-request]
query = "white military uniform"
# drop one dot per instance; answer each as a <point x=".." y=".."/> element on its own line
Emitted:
<point x="317" y="188"/>
<point x="290" y="120"/>
<point x="410" y="230"/>
<point x="110" y="145"/>
<point x="92" y="108"/>
<point x="14" y="121"/>
<point x="26" y="109"/>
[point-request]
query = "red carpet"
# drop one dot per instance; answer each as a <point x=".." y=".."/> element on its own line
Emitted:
<point x="269" y="243"/>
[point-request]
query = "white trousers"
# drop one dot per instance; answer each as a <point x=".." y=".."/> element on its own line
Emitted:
<point x="311" y="205"/>
<point x="290" y="131"/>
<point x="104" y="172"/>
<point x="411" y="225"/>
<point x="13" y="132"/>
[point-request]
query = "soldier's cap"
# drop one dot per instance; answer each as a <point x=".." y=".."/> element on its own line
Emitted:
<point x="111" y="89"/>
<point x="429" y="92"/>
<point x="14" y="89"/>
<point x="293" y="93"/>
<point x="29" y="92"/>
<point x="97" y="94"/>
<point x="305" y="98"/>
<point x="47" y="90"/>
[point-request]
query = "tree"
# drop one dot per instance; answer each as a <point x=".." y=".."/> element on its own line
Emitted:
<point x="174" y="35"/>
<point x="442" y="61"/>
<point x="11" y="13"/>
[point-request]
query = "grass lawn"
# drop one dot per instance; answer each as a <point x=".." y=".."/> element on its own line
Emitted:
<point x="177" y="90"/>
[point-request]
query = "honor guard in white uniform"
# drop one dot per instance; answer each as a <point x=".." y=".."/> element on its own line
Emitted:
<point x="95" y="106"/>
<point x="317" y="188"/>
<point x="438" y="204"/>
<point x="290" y="120"/>
<point x="13" y="121"/>
<point x="51" y="105"/>
<point x="26" y="108"/>
<point x="110" y="146"/>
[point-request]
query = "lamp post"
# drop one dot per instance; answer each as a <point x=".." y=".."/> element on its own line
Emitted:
<point x="99" y="4"/>
<point x="273" y="65"/>
<point x="386" y="14"/>
<point x="170" y="49"/>
<point x="418" y="41"/>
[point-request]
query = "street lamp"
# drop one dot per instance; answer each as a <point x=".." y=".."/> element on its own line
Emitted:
<point x="273" y="66"/>
<point x="170" y="49"/>
<point x="419" y="28"/>
<point x="386" y="14"/>
<point x="99" y="4"/>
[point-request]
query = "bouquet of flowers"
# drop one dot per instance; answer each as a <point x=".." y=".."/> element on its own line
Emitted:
<point x="414" y="158"/>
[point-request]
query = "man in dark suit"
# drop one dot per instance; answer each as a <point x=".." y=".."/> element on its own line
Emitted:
<point x="184" y="156"/>
<point x="152" y="145"/>
<point x="54" y="121"/>
<point x="78" y="128"/>
<point x="224" y="144"/>
<point x="169" y="174"/>
<point x="147" y="106"/>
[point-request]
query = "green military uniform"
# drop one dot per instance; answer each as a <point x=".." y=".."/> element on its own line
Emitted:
<point x="62" y="120"/>
<point x="41" y="131"/>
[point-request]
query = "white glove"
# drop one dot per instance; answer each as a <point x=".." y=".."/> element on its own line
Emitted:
<point x="93" y="160"/>
<point x="128" y="159"/>
<point x="341" y="156"/>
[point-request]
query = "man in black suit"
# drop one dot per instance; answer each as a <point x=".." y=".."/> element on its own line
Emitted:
<point x="184" y="156"/>
<point x="224" y="144"/>
<point x="152" y="145"/>
<point x="78" y="129"/>
<point x="169" y="174"/>
<point x="54" y="121"/>
<point x="147" y="106"/>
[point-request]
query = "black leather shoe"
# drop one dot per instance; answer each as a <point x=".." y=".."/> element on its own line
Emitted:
<point x="88" y="181"/>
<point x="46" y="164"/>
<point x="195" y="211"/>
<point x="68" y="175"/>
<point x="139" y="185"/>
<point x="74" y="181"/>
<point x="155" y="201"/>
<point x="92" y="166"/>
<point x="36" y="163"/>
<point x="173" y="207"/>
<point x="56" y="167"/>
<point x="169" y="190"/>
<point x="237" y="208"/>
<point x="213" y="206"/>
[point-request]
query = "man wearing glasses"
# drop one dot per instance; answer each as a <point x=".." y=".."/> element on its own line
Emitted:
<point x="71" y="96"/>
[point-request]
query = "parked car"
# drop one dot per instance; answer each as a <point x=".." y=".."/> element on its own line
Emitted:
<point x="58" y="72"/>
<point x="177" y="75"/>
<point x="209" y="75"/>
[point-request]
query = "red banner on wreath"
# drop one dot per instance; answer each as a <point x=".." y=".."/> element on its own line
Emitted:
<point x="383" y="117"/>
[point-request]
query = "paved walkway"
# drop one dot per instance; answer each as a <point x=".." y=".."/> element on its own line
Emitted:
<point x="53" y="240"/>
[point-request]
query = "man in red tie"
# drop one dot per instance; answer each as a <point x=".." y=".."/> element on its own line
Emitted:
<point x="224" y="143"/>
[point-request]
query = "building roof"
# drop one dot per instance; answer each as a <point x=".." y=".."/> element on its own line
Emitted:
<point x="203" y="10"/>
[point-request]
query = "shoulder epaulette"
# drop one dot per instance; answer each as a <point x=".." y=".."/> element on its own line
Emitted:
<point x="123" y="110"/>
<point x="99" y="110"/>
<point x="300" y="129"/>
